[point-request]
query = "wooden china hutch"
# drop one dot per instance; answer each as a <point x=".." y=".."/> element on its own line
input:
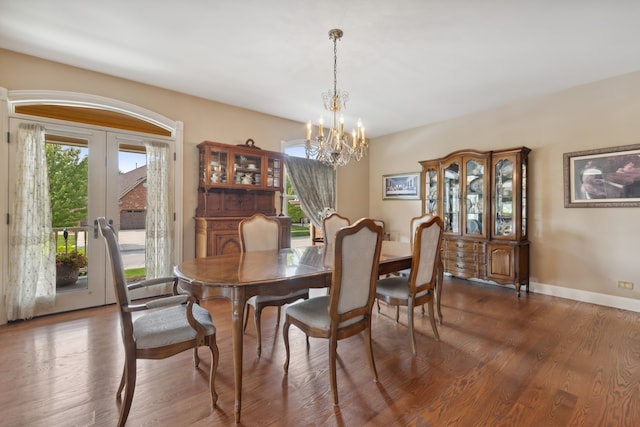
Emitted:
<point x="482" y="199"/>
<point x="234" y="183"/>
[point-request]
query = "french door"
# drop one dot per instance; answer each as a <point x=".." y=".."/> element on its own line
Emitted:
<point x="94" y="172"/>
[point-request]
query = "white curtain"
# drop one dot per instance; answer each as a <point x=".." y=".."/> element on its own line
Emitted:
<point x="159" y="224"/>
<point x="32" y="246"/>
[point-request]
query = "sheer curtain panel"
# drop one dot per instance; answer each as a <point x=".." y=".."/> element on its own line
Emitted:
<point x="32" y="247"/>
<point x="159" y="224"/>
<point x="315" y="184"/>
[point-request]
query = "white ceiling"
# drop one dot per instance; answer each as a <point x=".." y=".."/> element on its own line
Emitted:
<point x="405" y="63"/>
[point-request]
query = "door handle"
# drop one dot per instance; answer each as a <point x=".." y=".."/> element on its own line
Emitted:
<point x="96" y="232"/>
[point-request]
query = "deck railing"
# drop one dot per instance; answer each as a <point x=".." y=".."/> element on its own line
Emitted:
<point x="75" y="239"/>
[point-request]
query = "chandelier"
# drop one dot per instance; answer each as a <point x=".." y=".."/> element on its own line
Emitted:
<point x="337" y="148"/>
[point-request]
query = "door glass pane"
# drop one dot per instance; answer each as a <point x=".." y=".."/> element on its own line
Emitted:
<point x="67" y="164"/>
<point x="132" y="204"/>
<point x="452" y="198"/>
<point x="474" y="197"/>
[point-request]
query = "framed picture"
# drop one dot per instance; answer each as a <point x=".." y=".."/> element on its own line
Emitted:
<point x="602" y="178"/>
<point x="401" y="186"/>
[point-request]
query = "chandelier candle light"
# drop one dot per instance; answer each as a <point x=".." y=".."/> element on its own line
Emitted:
<point x="338" y="148"/>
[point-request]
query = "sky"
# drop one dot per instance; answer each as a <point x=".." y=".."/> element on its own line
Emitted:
<point x="130" y="161"/>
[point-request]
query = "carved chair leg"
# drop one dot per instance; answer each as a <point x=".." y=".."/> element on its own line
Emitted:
<point x="412" y="337"/>
<point x="285" y="337"/>
<point x="246" y="317"/>
<point x="257" y="313"/>
<point x="128" y="393"/>
<point x="123" y="381"/>
<point x="433" y="320"/>
<point x="215" y="356"/>
<point x="196" y="358"/>
<point x="369" y="344"/>
<point x="333" y="351"/>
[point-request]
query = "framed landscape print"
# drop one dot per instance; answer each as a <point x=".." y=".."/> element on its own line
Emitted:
<point x="605" y="177"/>
<point x="401" y="186"/>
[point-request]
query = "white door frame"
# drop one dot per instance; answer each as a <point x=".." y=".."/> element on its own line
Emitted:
<point x="10" y="99"/>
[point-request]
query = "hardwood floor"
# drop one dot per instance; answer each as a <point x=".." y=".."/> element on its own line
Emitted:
<point x="501" y="361"/>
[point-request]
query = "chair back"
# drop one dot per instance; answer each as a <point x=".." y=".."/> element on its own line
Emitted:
<point x="415" y="222"/>
<point x="330" y="226"/>
<point x="426" y="255"/>
<point x="259" y="233"/>
<point x="117" y="268"/>
<point x="385" y="235"/>
<point x="355" y="272"/>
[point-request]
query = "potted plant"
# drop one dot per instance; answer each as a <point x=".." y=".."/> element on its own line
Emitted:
<point x="68" y="265"/>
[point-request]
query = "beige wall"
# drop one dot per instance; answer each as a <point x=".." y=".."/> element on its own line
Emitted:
<point x="580" y="248"/>
<point x="203" y="120"/>
<point x="586" y="249"/>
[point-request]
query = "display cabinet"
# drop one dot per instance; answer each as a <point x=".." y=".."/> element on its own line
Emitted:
<point x="464" y="191"/>
<point x="241" y="167"/>
<point x="235" y="181"/>
<point x="482" y="198"/>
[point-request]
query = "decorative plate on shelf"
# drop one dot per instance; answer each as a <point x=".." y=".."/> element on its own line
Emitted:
<point x="507" y="187"/>
<point x="506" y="169"/>
<point x="475" y="186"/>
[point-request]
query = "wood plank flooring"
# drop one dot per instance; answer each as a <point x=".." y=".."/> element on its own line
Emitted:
<point x="501" y="361"/>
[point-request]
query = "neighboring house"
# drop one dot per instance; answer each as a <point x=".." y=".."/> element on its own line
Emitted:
<point x="132" y="199"/>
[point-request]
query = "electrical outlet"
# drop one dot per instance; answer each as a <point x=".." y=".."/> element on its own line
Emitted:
<point x="625" y="285"/>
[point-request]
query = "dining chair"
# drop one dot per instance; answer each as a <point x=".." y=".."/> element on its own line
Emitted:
<point x="162" y="327"/>
<point x="330" y="226"/>
<point x="420" y="286"/>
<point x="260" y="233"/>
<point x="346" y="311"/>
<point x="413" y="224"/>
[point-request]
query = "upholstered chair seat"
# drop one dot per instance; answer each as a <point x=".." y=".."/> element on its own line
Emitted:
<point x="170" y="326"/>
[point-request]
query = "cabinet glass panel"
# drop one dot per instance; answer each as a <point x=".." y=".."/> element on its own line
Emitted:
<point x="474" y="193"/>
<point x="431" y="191"/>
<point x="504" y="198"/>
<point x="451" y="208"/>
<point x="217" y="167"/>
<point x="247" y="170"/>
<point x="273" y="172"/>
<point x="523" y="192"/>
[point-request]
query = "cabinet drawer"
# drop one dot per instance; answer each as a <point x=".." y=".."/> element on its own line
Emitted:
<point x="463" y="245"/>
<point x="465" y="269"/>
<point x="465" y="257"/>
<point x="226" y="224"/>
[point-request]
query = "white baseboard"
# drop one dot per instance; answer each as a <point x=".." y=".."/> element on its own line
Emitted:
<point x="612" y="301"/>
<point x="586" y="296"/>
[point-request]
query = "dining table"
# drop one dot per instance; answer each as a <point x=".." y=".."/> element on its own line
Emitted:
<point x="238" y="277"/>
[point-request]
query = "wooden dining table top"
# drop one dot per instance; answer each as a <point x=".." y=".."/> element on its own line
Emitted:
<point x="273" y="268"/>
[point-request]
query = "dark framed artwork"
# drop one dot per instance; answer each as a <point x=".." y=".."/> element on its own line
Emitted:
<point x="401" y="186"/>
<point x="602" y="178"/>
